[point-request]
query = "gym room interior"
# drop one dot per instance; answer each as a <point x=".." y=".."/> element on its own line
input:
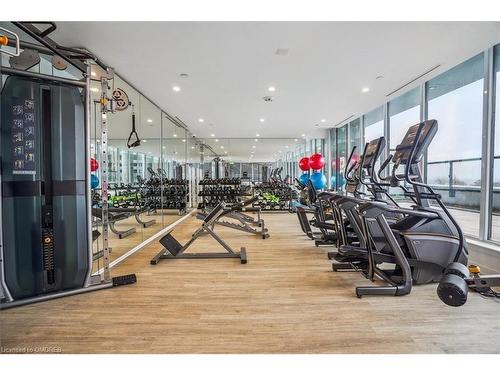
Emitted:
<point x="249" y="187"/>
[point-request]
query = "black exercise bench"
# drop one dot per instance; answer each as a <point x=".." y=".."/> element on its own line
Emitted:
<point x="175" y="250"/>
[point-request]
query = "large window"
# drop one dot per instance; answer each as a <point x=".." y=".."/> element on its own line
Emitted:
<point x="333" y="158"/>
<point x="374" y="124"/>
<point x="355" y="137"/>
<point x="455" y="100"/>
<point x="495" y="220"/>
<point x="341" y="157"/>
<point x="404" y="112"/>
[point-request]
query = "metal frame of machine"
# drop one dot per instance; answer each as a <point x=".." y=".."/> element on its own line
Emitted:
<point x="83" y="61"/>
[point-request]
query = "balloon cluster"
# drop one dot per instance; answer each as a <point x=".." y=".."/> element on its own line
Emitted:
<point x="94" y="180"/>
<point x="315" y="162"/>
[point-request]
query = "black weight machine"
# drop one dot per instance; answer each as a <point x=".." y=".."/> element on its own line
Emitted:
<point x="46" y="235"/>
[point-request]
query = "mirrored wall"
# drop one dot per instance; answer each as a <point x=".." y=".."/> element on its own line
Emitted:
<point x="148" y="184"/>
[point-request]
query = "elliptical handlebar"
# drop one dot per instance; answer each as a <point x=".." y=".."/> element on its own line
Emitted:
<point x="346" y="169"/>
<point x="408" y="165"/>
<point x="360" y="170"/>
<point x="382" y="167"/>
<point x="408" y="178"/>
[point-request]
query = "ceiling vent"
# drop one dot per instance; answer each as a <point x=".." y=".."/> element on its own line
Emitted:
<point x="413" y="80"/>
<point x="343" y="121"/>
<point x="282" y="51"/>
<point x="268" y="98"/>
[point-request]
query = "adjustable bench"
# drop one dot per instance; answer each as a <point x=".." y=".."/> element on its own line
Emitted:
<point x="115" y="215"/>
<point x="175" y="250"/>
<point x="236" y="212"/>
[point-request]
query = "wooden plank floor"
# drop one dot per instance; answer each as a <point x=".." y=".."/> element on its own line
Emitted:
<point x="285" y="300"/>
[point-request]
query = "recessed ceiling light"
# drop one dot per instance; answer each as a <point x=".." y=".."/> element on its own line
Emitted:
<point x="365" y="89"/>
<point x="192" y="147"/>
<point x="183" y="140"/>
<point x="212" y="135"/>
<point x="302" y="135"/>
<point x="257" y="135"/>
<point x="271" y="88"/>
<point x="216" y="140"/>
<point x="94" y="89"/>
<point x="164" y="147"/>
<point x="296" y="140"/>
<point x="256" y="140"/>
<point x="93" y="74"/>
<point x="254" y="146"/>
<point x="262" y="120"/>
<point x="201" y="120"/>
<point x="323" y="120"/>
<point x="225" y="152"/>
<point x="144" y="140"/>
<point x="286" y="146"/>
<point x="149" y="120"/>
<point x="175" y="135"/>
<point x="149" y="152"/>
<point x="176" y="88"/>
<point x="221" y="147"/>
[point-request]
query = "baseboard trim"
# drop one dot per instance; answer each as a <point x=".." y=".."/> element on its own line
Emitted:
<point x="486" y="254"/>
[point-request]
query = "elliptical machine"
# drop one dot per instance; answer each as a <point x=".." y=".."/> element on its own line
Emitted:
<point x="425" y="239"/>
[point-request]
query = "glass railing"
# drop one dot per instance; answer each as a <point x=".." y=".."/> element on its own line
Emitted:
<point x="459" y="182"/>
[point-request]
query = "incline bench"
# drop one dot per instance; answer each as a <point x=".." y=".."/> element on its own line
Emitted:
<point x="117" y="214"/>
<point x="236" y="212"/>
<point x="174" y="250"/>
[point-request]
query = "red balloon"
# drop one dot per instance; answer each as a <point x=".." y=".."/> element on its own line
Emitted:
<point x="355" y="158"/>
<point x="304" y="164"/>
<point x="317" y="161"/>
<point x="94" y="165"/>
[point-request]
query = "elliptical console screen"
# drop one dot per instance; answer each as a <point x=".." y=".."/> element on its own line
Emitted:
<point x="373" y="150"/>
<point x="403" y="150"/>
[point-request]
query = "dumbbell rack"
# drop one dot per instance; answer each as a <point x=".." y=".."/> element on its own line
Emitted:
<point x="168" y="194"/>
<point x="282" y="191"/>
<point x="176" y="194"/>
<point x="213" y="191"/>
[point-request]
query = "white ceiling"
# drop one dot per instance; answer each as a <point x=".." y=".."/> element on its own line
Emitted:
<point x="230" y="149"/>
<point x="231" y="65"/>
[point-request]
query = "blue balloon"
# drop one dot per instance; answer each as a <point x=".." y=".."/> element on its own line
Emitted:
<point x="332" y="181"/>
<point x="94" y="181"/>
<point x="304" y="178"/>
<point x="342" y="181"/>
<point x="319" y="180"/>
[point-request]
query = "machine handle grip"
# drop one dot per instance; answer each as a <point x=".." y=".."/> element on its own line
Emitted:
<point x="4" y="40"/>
